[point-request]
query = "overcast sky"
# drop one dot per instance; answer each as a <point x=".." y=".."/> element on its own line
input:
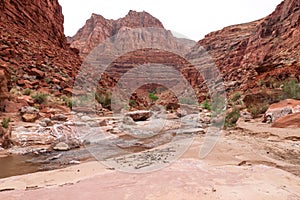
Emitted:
<point x="192" y="18"/>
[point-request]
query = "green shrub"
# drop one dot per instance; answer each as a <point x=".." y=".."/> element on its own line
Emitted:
<point x="39" y="97"/>
<point x="258" y="109"/>
<point x="27" y="91"/>
<point x="291" y="89"/>
<point x="48" y="80"/>
<point x="104" y="99"/>
<point x="232" y="117"/>
<point x="206" y="105"/>
<point x="68" y="101"/>
<point x="132" y="103"/>
<point x="235" y="97"/>
<point x="152" y="96"/>
<point x="5" y="122"/>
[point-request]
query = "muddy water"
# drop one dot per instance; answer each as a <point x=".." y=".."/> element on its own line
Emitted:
<point x="23" y="164"/>
<point x="16" y="165"/>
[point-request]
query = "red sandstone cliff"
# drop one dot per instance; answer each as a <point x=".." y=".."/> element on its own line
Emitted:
<point x="33" y="49"/>
<point x="143" y="40"/>
<point x="267" y="49"/>
<point x="97" y="29"/>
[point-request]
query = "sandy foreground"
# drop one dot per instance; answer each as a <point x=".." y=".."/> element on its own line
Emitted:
<point x="237" y="168"/>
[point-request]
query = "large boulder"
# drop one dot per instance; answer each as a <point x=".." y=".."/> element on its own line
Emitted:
<point x="29" y="114"/>
<point x="66" y="137"/>
<point x="289" y="121"/>
<point x="140" y="115"/>
<point x="59" y="117"/>
<point x="61" y="146"/>
<point x="281" y="109"/>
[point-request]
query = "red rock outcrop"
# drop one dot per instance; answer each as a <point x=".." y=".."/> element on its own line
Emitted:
<point x="135" y="40"/>
<point x="281" y="109"/>
<point x="33" y="48"/>
<point x="4" y="94"/>
<point x="267" y="49"/>
<point x="289" y="121"/>
<point x="97" y="29"/>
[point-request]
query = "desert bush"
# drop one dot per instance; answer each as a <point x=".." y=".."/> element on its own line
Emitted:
<point x="206" y="105"/>
<point x="68" y="101"/>
<point x="104" y="99"/>
<point x="132" y="103"/>
<point x="235" y="97"/>
<point x="152" y="96"/>
<point x="291" y="89"/>
<point x="258" y="109"/>
<point x="47" y="80"/>
<point x="5" y="122"/>
<point x="232" y="117"/>
<point x="39" y="97"/>
<point x="27" y="91"/>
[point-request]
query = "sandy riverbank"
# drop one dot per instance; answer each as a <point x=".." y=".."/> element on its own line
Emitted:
<point x="238" y="168"/>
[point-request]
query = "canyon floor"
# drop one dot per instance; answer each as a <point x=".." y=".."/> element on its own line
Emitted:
<point x="251" y="161"/>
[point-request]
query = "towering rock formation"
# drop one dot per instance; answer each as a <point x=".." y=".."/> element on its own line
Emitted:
<point x="129" y="42"/>
<point x="244" y="54"/>
<point x="97" y="29"/>
<point x="33" y="49"/>
<point x="267" y="49"/>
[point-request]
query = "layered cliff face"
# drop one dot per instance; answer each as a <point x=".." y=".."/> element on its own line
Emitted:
<point x="127" y="43"/>
<point x="33" y="49"/>
<point x="267" y="49"/>
<point x="97" y="29"/>
<point x="37" y="17"/>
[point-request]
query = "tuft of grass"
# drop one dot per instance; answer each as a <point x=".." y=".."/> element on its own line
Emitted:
<point x="5" y="122"/>
<point x="235" y="97"/>
<point x="39" y="97"/>
<point x="68" y="101"/>
<point x="104" y="99"/>
<point x="47" y="80"/>
<point x="206" y="105"/>
<point x="27" y="91"/>
<point x="152" y="96"/>
<point x="132" y="103"/>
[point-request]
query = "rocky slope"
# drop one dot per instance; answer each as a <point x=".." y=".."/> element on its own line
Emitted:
<point x="266" y="50"/>
<point x="34" y="52"/>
